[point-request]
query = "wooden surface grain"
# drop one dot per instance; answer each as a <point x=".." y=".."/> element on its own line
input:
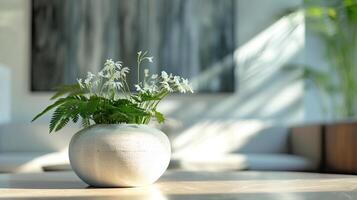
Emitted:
<point x="341" y="148"/>
<point x="176" y="185"/>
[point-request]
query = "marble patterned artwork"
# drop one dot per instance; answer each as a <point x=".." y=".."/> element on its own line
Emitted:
<point x="192" y="38"/>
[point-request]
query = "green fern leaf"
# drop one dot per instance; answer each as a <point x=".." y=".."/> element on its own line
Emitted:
<point x="119" y="117"/>
<point x="56" y="118"/>
<point x="159" y="116"/>
<point x="72" y="90"/>
<point x="75" y="118"/>
<point x="63" y="122"/>
<point x="57" y="103"/>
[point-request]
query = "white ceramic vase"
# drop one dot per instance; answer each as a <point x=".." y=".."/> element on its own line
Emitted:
<point x="119" y="155"/>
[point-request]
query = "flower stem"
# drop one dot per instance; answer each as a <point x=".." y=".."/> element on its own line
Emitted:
<point x="138" y="67"/>
<point x="138" y="73"/>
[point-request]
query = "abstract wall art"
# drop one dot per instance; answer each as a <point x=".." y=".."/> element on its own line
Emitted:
<point x="192" y="38"/>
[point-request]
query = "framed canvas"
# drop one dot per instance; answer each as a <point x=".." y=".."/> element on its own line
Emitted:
<point x="191" y="38"/>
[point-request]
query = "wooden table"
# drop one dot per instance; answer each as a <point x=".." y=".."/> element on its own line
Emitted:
<point x="176" y="185"/>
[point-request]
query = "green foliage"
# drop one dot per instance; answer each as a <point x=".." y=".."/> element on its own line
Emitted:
<point x="159" y="116"/>
<point x="97" y="110"/>
<point x="335" y="23"/>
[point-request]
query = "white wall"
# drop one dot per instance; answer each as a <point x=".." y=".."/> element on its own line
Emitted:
<point x="14" y="53"/>
<point x="5" y="104"/>
<point x="313" y="99"/>
<point x="265" y="46"/>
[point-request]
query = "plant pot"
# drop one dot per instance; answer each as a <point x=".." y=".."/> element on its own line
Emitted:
<point x="119" y="155"/>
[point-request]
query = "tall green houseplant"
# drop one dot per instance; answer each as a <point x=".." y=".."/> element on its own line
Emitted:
<point x="335" y="23"/>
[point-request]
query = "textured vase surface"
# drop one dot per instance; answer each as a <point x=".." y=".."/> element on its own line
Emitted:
<point x="119" y="155"/>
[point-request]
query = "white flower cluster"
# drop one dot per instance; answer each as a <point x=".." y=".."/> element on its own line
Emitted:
<point x="110" y="78"/>
<point x="167" y="82"/>
<point x="111" y="81"/>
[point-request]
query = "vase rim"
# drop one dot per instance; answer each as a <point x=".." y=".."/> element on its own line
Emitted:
<point x="123" y="124"/>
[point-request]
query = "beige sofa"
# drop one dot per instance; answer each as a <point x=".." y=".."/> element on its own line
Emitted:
<point x="247" y="145"/>
<point x="29" y="147"/>
<point x="203" y="145"/>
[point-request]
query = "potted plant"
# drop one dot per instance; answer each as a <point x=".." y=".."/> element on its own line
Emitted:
<point x="116" y="147"/>
<point x="334" y="24"/>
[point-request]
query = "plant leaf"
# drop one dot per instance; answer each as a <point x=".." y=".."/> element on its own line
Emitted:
<point x="56" y="118"/>
<point x="63" y="122"/>
<point x="159" y="116"/>
<point x="73" y="89"/>
<point x="50" y="107"/>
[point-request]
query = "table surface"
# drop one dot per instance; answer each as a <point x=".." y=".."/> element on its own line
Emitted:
<point x="178" y="185"/>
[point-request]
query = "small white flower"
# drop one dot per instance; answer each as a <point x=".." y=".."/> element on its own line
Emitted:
<point x="124" y="71"/>
<point x="117" y="75"/>
<point x="187" y="85"/>
<point x="154" y="76"/>
<point x="87" y="82"/>
<point x="153" y="88"/>
<point x="166" y="86"/>
<point x="118" y="65"/>
<point x="185" y="81"/>
<point x="164" y="75"/>
<point x="109" y="65"/>
<point x="101" y="73"/>
<point x="90" y="75"/>
<point x="177" y="80"/>
<point x="80" y="83"/>
<point x="89" y="78"/>
<point x="111" y="84"/>
<point x="146" y="72"/>
<point x="138" y="88"/>
<point x="109" y="62"/>
<point x="181" y="89"/>
<point x="118" y="85"/>
<point x="150" y="59"/>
